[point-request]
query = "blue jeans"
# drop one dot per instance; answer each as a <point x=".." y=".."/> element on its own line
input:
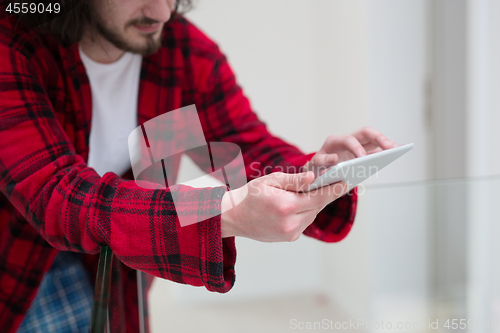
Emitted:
<point x="64" y="300"/>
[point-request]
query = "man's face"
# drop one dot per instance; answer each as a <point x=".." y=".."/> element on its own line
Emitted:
<point x="133" y="25"/>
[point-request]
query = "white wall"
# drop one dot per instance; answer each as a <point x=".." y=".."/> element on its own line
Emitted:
<point x="342" y="99"/>
<point x="398" y="74"/>
<point x="483" y="139"/>
<point x="466" y="116"/>
<point x="449" y="105"/>
<point x="483" y="102"/>
<point x="398" y="217"/>
<point x="380" y="271"/>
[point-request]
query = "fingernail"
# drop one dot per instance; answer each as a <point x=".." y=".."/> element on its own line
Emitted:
<point x="330" y="159"/>
<point x="302" y="177"/>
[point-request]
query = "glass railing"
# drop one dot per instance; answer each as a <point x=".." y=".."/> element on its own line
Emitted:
<point x="421" y="257"/>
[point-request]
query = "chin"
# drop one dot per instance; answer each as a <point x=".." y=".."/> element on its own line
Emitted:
<point x="147" y="48"/>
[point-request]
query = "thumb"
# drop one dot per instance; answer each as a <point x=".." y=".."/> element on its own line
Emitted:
<point x="294" y="182"/>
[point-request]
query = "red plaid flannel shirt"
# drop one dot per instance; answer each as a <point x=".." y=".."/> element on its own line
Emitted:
<point x="51" y="200"/>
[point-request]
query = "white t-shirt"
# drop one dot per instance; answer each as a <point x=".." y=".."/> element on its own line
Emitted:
<point x="115" y="90"/>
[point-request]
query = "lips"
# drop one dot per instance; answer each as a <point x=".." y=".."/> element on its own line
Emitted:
<point x="147" y="28"/>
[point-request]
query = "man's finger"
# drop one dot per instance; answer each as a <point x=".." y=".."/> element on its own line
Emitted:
<point x="319" y="198"/>
<point x="321" y="162"/>
<point x="375" y="150"/>
<point x="354" y="146"/>
<point x="371" y="135"/>
<point x="325" y="160"/>
<point x="294" y="182"/>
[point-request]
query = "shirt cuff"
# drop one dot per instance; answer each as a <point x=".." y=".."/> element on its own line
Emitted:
<point x="335" y="221"/>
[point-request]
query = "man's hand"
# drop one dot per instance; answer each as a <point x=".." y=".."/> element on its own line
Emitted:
<point x="339" y="148"/>
<point x="272" y="210"/>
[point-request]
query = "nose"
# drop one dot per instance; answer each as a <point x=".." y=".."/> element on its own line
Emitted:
<point x="159" y="10"/>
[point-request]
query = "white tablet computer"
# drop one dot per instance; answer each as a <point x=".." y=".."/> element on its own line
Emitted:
<point x="353" y="172"/>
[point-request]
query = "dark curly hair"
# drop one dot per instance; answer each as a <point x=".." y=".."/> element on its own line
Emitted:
<point x="75" y="16"/>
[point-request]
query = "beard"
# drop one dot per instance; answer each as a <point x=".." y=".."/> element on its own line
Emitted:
<point x="114" y="37"/>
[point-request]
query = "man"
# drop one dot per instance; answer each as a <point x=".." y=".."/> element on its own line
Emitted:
<point x="71" y="90"/>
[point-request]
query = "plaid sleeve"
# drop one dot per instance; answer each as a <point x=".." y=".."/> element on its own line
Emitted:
<point x="229" y="117"/>
<point x="74" y="209"/>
